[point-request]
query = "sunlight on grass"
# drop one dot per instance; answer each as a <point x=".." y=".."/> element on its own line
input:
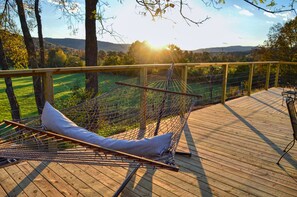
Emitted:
<point x="24" y="92"/>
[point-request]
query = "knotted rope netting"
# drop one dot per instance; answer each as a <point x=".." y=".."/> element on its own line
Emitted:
<point x="129" y="111"/>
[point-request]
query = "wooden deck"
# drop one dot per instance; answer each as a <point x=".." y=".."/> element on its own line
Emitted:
<point x="235" y="147"/>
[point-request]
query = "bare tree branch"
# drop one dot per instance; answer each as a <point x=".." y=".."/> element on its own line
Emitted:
<point x="292" y="9"/>
<point x="70" y="11"/>
<point x="187" y="19"/>
<point x="292" y="6"/>
<point x="6" y="18"/>
<point x="5" y="7"/>
<point x="157" y="8"/>
<point x="104" y="26"/>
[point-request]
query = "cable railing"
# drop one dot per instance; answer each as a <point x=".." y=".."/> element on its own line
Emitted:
<point x="215" y="82"/>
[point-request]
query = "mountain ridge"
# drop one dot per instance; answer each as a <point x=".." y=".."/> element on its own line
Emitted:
<point x="228" y="49"/>
<point x="79" y="44"/>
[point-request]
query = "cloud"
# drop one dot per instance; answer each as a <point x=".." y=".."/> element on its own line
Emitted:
<point x="285" y="16"/>
<point x="237" y="7"/>
<point x="269" y="22"/>
<point x="270" y="15"/>
<point x="71" y="7"/>
<point x="245" y="13"/>
<point x="55" y="2"/>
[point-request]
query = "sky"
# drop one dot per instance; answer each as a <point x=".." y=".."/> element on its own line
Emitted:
<point x="234" y="23"/>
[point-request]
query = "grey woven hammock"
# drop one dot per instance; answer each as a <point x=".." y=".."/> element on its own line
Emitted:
<point x="129" y="111"/>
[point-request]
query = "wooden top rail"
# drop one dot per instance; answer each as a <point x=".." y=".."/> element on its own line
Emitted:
<point x="70" y="70"/>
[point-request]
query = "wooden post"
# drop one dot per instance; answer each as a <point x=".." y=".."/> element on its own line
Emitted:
<point x="224" y="84"/>
<point x="184" y="78"/>
<point x="143" y="82"/>
<point x="267" y="76"/>
<point x="250" y="82"/>
<point x="48" y="87"/>
<point x="276" y="75"/>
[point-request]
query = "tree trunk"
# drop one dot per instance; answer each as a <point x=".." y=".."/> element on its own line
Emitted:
<point x="91" y="47"/>
<point x="33" y="63"/>
<point x="15" y="110"/>
<point x="40" y="36"/>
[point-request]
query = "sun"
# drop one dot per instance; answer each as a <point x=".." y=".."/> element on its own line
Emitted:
<point x="157" y="45"/>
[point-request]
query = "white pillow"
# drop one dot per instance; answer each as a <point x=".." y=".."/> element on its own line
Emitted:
<point x="54" y="120"/>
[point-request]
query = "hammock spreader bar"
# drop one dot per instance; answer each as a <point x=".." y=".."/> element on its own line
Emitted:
<point x="167" y="107"/>
<point x="94" y="147"/>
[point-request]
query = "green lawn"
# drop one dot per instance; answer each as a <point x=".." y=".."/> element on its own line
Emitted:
<point x="62" y="89"/>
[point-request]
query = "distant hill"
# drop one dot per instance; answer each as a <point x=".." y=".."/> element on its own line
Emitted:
<point x="229" y="49"/>
<point x="80" y="44"/>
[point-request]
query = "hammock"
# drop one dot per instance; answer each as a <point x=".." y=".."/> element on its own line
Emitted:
<point x="127" y="112"/>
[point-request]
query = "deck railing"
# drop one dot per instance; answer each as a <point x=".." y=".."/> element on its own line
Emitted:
<point x="224" y="67"/>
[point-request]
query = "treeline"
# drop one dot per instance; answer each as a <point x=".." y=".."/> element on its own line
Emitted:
<point x="281" y="45"/>
<point x="143" y="53"/>
<point x="139" y="53"/>
<point x="58" y="58"/>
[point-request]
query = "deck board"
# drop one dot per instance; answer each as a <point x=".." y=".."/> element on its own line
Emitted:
<point x="234" y="146"/>
<point x="23" y="181"/>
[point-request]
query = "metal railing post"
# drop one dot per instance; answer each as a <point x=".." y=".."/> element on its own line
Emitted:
<point x="224" y="84"/>
<point x="250" y="82"/>
<point x="267" y="77"/>
<point x="276" y="75"/>
<point x="184" y="78"/>
<point x="143" y="82"/>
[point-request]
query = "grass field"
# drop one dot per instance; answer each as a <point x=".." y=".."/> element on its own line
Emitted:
<point x="63" y="84"/>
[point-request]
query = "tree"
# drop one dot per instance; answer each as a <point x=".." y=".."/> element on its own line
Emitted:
<point x="127" y="60"/>
<point x="32" y="57"/>
<point x="173" y="54"/>
<point x="91" y="48"/>
<point x="15" y="110"/>
<point x="40" y="36"/>
<point x="56" y="58"/>
<point x="281" y="43"/>
<point x="14" y="48"/>
<point x="73" y="61"/>
<point x="140" y="52"/>
<point x="12" y="54"/>
<point x="101" y="56"/>
<point x="112" y="60"/>
<point x="92" y="15"/>
<point x="143" y="53"/>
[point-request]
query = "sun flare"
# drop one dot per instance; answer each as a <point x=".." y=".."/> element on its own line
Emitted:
<point x="157" y="46"/>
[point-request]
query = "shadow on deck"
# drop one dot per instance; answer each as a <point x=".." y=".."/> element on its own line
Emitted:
<point x="235" y="148"/>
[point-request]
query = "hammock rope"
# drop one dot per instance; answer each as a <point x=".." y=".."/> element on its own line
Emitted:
<point x="39" y="145"/>
<point x="116" y="114"/>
